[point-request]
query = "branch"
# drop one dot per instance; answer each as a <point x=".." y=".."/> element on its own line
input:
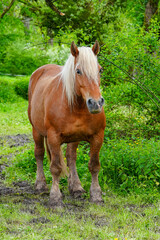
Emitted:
<point x="145" y="89"/>
<point x="53" y="7"/>
<point x="7" y="9"/>
<point x="32" y="7"/>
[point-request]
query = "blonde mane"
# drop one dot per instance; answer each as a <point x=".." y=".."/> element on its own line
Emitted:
<point x="87" y="61"/>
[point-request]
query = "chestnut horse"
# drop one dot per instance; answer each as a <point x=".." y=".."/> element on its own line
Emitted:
<point x="66" y="106"/>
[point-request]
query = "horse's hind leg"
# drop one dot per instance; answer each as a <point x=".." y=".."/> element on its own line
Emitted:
<point x="75" y="187"/>
<point x="40" y="184"/>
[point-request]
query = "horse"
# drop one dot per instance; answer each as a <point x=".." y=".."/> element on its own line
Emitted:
<point x="66" y="106"/>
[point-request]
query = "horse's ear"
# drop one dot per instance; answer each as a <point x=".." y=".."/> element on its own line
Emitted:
<point x="96" y="48"/>
<point x="74" y="49"/>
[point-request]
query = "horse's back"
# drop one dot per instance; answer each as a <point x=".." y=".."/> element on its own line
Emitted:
<point x="45" y="73"/>
<point x="38" y="86"/>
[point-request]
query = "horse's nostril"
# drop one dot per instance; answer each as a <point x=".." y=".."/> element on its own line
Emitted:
<point x="89" y="102"/>
<point x="101" y="101"/>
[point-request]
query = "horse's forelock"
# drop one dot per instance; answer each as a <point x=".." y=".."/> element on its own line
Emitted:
<point x="87" y="61"/>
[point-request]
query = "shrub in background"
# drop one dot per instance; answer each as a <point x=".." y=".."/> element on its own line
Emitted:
<point x="21" y="88"/>
<point x="131" y="165"/>
<point x="10" y="87"/>
<point x="131" y="79"/>
<point x="18" y="60"/>
<point x="7" y="93"/>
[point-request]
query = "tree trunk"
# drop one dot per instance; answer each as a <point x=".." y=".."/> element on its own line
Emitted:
<point x="150" y="11"/>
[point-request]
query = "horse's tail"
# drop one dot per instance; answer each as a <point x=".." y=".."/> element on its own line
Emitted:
<point x="62" y="162"/>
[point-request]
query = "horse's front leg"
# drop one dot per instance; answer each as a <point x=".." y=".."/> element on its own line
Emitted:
<point x="94" y="167"/>
<point x="75" y="187"/>
<point x="55" y="168"/>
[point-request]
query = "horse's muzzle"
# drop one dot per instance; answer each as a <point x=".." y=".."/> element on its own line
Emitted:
<point x="95" y="106"/>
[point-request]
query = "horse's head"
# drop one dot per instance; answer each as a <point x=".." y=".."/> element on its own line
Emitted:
<point x="87" y="76"/>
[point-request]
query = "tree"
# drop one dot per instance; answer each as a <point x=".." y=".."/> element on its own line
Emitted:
<point x="7" y="8"/>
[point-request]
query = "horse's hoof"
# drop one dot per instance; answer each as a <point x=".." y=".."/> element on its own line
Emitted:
<point x="98" y="201"/>
<point x="41" y="188"/>
<point x="55" y="204"/>
<point x="78" y="193"/>
<point x="96" y="197"/>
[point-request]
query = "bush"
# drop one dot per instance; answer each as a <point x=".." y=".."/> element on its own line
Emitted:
<point x="131" y="165"/>
<point x="131" y="80"/>
<point x="126" y="165"/>
<point x="18" y="60"/>
<point x="21" y="88"/>
<point x="126" y="114"/>
<point x="11" y="87"/>
<point x="7" y="93"/>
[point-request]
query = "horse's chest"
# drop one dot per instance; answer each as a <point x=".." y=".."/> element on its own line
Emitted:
<point x="77" y="130"/>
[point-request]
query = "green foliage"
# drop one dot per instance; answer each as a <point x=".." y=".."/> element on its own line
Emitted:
<point x="131" y="78"/>
<point x="126" y="166"/>
<point x="7" y="93"/>
<point x="18" y="60"/>
<point x="131" y="165"/>
<point x="58" y="55"/>
<point x="16" y="54"/>
<point x="11" y="87"/>
<point x="128" y="114"/>
<point x="21" y="88"/>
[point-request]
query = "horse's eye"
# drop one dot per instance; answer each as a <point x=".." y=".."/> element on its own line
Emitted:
<point x="78" y="71"/>
<point x="101" y="70"/>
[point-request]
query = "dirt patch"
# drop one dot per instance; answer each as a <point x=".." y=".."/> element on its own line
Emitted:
<point x="21" y="187"/>
<point x="6" y="190"/>
<point x="24" y="187"/>
<point x="2" y="167"/>
<point x="15" y="140"/>
<point x="42" y="220"/>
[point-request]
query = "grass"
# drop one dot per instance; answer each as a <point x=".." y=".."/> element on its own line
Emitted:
<point x="14" y="118"/>
<point x="120" y="218"/>
<point x="129" y="178"/>
<point x="13" y="108"/>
